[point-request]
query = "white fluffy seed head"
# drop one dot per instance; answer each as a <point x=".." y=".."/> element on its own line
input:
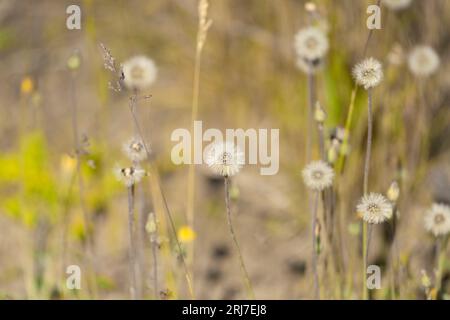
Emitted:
<point x="423" y="61"/>
<point x="397" y="4"/>
<point x="318" y="175"/>
<point x="374" y="208"/>
<point x="139" y="72"/>
<point x="134" y="149"/>
<point x="225" y="159"/>
<point x="311" y="43"/>
<point x="437" y="220"/>
<point x="368" y="73"/>
<point x="129" y="175"/>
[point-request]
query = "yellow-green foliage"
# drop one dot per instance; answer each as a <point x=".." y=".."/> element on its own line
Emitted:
<point x="29" y="173"/>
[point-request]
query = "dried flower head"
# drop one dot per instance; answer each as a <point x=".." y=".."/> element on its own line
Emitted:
<point x="397" y="4"/>
<point x="135" y="150"/>
<point x="318" y="175"/>
<point x="225" y="159"/>
<point x="368" y="73"/>
<point x="139" y="72"/>
<point x="311" y="44"/>
<point x="374" y="208"/>
<point x="437" y="219"/>
<point x="423" y="61"/>
<point x="129" y="175"/>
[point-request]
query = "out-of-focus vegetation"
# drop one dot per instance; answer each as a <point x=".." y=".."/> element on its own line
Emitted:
<point x="248" y="79"/>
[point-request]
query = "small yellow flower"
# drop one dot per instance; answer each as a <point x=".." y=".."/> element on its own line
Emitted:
<point x="186" y="234"/>
<point x="67" y="164"/>
<point x="27" y="85"/>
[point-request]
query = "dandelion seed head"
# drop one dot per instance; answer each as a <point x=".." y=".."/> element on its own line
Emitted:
<point x="129" y="175"/>
<point x="423" y="61"/>
<point x="139" y="72"/>
<point x="374" y="208"/>
<point x="437" y="219"/>
<point x="397" y="4"/>
<point x="311" y="44"/>
<point x="225" y="159"/>
<point x="135" y="150"/>
<point x="318" y="175"/>
<point x="368" y="73"/>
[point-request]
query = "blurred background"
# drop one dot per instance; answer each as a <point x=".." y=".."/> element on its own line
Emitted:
<point x="248" y="79"/>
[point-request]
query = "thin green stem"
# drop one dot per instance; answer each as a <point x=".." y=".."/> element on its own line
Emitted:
<point x="86" y="219"/>
<point x="166" y="207"/>
<point x="314" y="247"/>
<point x="441" y="248"/>
<point x="236" y="243"/>
<point x="366" y="187"/>
<point x="131" y="252"/>
<point x="310" y="119"/>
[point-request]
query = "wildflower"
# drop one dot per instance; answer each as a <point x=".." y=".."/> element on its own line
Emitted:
<point x="311" y="45"/>
<point x="186" y="234"/>
<point x="129" y="175"/>
<point x="318" y="175"/>
<point x="423" y="61"/>
<point x="139" y="72"/>
<point x="374" y="208"/>
<point x="437" y="219"/>
<point x="135" y="150"/>
<point x="27" y="85"/>
<point x="368" y="73"/>
<point x="225" y="159"/>
<point x="397" y="4"/>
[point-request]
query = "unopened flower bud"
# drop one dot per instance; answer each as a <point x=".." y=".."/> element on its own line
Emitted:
<point x="319" y="113"/>
<point x="393" y="191"/>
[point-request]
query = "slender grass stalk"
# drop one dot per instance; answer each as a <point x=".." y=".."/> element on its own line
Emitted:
<point x="348" y="121"/>
<point x="395" y="263"/>
<point x="309" y="134"/>
<point x="236" y="243"/>
<point x="203" y="25"/>
<point x="132" y="105"/>
<point x="348" y="125"/>
<point x="441" y="250"/>
<point x="152" y="229"/>
<point x="154" y="244"/>
<point x="81" y="190"/>
<point x="365" y="233"/>
<point x="131" y="252"/>
<point x="65" y="226"/>
<point x="314" y="247"/>
<point x="139" y="249"/>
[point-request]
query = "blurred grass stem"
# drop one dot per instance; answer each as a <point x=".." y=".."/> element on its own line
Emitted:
<point x="236" y="243"/>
